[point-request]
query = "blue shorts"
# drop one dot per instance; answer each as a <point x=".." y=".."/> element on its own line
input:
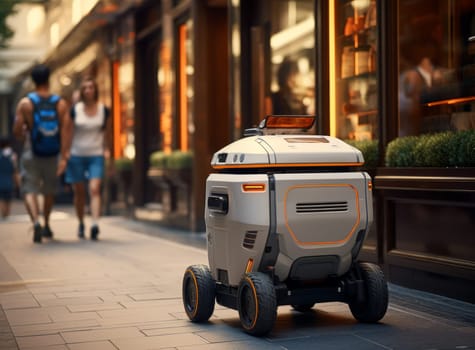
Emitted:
<point x="84" y="168"/>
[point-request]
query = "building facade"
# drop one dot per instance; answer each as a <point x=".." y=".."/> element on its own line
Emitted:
<point x="395" y="78"/>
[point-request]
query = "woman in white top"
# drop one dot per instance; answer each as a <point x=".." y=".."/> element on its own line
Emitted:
<point x="89" y="148"/>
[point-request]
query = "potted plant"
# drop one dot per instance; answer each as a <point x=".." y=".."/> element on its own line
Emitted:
<point x="123" y="167"/>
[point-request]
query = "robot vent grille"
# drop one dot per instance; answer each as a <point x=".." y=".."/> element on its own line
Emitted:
<point x="249" y="239"/>
<point x="321" y="207"/>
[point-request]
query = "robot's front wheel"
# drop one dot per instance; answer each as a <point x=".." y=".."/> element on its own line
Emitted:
<point x="198" y="292"/>
<point x="374" y="303"/>
<point x="257" y="303"/>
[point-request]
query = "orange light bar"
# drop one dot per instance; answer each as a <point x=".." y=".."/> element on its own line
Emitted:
<point x="370" y="185"/>
<point x="289" y="122"/>
<point x="253" y="187"/>
<point x="250" y="264"/>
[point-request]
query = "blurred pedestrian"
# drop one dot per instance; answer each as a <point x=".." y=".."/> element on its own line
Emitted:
<point x="8" y="176"/>
<point x="41" y="121"/>
<point x="286" y="101"/>
<point x="90" y="146"/>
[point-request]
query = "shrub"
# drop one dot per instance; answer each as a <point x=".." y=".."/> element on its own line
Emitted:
<point x="123" y="164"/>
<point x="445" y="149"/>
<point x="370" y="151"/>
<point x="173" y="160"/>
<point x="158" y="159"/>
<point x="179" y="160"/>
<point x="400" y="152"/>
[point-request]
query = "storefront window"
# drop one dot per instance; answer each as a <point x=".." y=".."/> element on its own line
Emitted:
<point x="185" y="84"/>
<point x="353" y="79"/>
<point x="436" y="44"/>
<point x="292" y="46"/>
<point x="124" y="95"/>
<point x="235" y="64"/>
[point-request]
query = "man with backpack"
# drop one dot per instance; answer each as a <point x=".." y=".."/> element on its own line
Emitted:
<point x="42" y="122"/>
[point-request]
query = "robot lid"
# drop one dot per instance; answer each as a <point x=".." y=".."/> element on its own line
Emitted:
<point x="275" y="144"/>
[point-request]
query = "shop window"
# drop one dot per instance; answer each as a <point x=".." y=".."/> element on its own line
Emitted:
<point x="353" y="71"/>
<point x="185" y="85"/>
<point x="123" y="94"/>
<point x="436" y="45"/>
<point x="292" y="52"/>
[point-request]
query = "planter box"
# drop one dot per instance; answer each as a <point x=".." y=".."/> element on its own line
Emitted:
<point x="427" y="219"/>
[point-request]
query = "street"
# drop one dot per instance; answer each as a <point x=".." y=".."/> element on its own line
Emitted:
<point x="124" y="292"/>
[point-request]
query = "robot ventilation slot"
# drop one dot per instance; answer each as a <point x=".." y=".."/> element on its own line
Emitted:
<point x="321" y="207"/>
<point x="249" y="239"/>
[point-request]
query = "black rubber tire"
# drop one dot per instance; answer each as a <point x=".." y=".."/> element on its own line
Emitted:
<point x="302" y="307"/>
<point x="198" y="293"/>
<point x="374" y="303"/>
<point x="257" y="303"/>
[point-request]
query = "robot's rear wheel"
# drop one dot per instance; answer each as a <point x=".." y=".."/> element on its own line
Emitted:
<point x="198" y="292"/>
<point x="374" y="303"/>
<point x="257" y="303"/>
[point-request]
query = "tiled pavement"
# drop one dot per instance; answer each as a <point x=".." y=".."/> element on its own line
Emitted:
<point x="124" y="292"/>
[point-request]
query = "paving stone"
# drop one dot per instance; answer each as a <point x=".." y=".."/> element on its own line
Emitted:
<point x="53" y="327"/>
<point x="101" y="334"/>
<point x="39" y="341"/>
<point x="95" y="345"/>
<point x="159" y="342"/>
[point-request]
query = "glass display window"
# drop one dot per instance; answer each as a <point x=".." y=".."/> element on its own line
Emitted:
<point x="185" y="73"/>
<point x="436" y="46"/>
<point x="353" y="70"/>
<point x="292" y="54"/>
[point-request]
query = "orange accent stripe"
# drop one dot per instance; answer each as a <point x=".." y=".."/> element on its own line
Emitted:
<point x="283" y="165"/>
<point x="249" y="266"/>
<point x="346" y="238"/>
<point x="255" y="302"/>
<point x="253" y="187"/>
<point x="196" y="291"/>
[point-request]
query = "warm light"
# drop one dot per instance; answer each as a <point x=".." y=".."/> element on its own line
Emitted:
<point x="116" y="110"/>
<point x="370" y="185"/>
<point x="332" y="68"/>
<point x="254" y="187"/>
<point x="35" y="19"/>
<point x="289" y="122"/>
<point x="54" y="34"/>
<point x="183" y="88"/>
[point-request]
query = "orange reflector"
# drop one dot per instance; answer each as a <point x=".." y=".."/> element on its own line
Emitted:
<point x="250" y="264"/>
<point x="289" y="122"/>
<point x="253" y="187"/>
<point x="370" y="185"/>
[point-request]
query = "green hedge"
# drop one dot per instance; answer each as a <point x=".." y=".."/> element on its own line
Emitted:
<point x="123" y="164"/>
<point x="370" y="151"/>
<point x="445" y="149"/>
<point x="173" y="160"/>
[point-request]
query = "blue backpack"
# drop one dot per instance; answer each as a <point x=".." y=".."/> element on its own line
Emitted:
<point x="45" y="139"/>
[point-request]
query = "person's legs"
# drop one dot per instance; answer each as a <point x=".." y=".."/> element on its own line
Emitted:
<point x="47" y="208"/>
<point x="95" y="194"/>
<point x="79" y="189"/>
<point x="96" y="172"/>
<point x="49" y="187"/>
<point x="30" y="187"/>
<point x="75" y="175"/>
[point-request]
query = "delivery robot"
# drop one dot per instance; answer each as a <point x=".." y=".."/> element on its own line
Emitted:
<point x="286" y="216"/>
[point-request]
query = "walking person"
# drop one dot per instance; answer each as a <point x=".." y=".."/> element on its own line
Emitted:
<point x="41" y="120"/>
<point x="8" y="176"/>
<point x="91" y="134"/>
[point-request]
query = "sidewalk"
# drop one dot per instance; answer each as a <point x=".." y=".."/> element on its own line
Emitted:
<point x="124" y="292"/>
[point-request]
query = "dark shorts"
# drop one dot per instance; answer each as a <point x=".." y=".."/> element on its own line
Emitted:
<point x="6" y="195"/>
